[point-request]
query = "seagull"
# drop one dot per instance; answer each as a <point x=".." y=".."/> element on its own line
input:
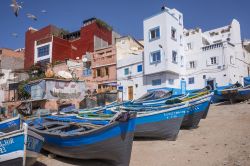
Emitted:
<point x="16" y="7"/>
<point x="31" y="16"/>
<point x="44" y="11"/>
<point x="14" y="34"/>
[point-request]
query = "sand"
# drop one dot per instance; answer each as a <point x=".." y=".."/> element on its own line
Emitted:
<point x="223" y="138"/>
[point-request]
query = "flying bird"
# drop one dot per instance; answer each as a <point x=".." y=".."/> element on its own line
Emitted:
<point x="31" y="16"/>
<point x="14" y="34"/>
<point x="44" y="11"/>
<point x="16" y="7"/>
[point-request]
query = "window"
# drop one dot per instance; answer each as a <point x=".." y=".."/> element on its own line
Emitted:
<point x="192" y="64"/>
<point x="139" y="68"/>
<point x="173" y="33"/>
<point x="107" y="71"/>
<point x="98" y="72"/>
<point x="156" y="82"/>
<point x="171" y="81"/>
<point x="43" y="51"/>
<point x="155" y="57"/>
<point x="191" y="80"/>
<point x="1" y="51"/>
<point x="126" y="71"/>
<point x="189" y="46"/>
<point x="213" y="60"/>
<point x="174" y="56"/>
<point x="154" y="33"/>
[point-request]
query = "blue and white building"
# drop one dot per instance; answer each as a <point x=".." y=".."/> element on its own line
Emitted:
<point x="129" y="54"/>
<point x="181" y="59"/>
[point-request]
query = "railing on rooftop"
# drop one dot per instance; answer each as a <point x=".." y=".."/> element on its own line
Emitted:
<point x="212" y="46"/>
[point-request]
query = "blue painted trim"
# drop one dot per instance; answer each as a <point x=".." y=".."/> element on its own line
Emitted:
<point x="92" y="138"/>
<point x="149" y="35"/>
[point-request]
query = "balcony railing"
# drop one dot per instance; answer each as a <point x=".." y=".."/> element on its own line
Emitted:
<point x="212" y="46"/>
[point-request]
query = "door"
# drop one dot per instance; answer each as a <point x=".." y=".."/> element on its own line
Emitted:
<point x="130" y="93"/>
<point x="210" y="83"/>
<point x="183" y="87"/>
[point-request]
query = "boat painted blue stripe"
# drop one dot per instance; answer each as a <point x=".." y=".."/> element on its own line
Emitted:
<point x="9" y="124"/>
<point x="244" y="92"/>
<point x="198" y="108"/>
<point x="161" y="116"/>
<point x="12" y="144"/>
<point x="92" y="138"/>
<point x="34" y="144"/>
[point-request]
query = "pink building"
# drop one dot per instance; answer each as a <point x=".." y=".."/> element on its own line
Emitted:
<point x="104" y="68"/>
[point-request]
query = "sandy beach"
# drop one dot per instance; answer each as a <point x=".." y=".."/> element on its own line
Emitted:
<point x="223" y="138"/>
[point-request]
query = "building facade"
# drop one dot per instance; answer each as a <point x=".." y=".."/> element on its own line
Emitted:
<point x="130" y="68"/>
<point x="180" y="59"/>
<point x="11" y="74"/>
<point x="51" y="44"/>
<point x="103" y="67"/>
<point x="163" y="50"/>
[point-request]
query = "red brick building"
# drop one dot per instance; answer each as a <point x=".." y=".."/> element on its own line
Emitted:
<point x="51" y="44"/>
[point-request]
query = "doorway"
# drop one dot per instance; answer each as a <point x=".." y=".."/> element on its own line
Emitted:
<point x="211" y="84"/>
<point x="130" y="93"/>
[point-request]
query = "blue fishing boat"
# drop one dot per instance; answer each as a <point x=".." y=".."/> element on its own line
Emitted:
<point x="226" y="93"/>
<point x="243" y="94"/>
<point x="20" y="147"/>
<point x="197" y="108"/>
<point x="160" y="123"/>
<point x="111" y="142"/>
<point x="10" y="125"/>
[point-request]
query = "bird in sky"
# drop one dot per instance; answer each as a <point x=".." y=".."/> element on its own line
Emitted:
<point x="16" y="7"/>
<point x="31" y="16"/>
<point x="14" y="34"/>
<point x="44" y="11"/>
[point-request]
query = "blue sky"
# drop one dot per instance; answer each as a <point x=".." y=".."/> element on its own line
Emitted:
<point x="125" y="16"/>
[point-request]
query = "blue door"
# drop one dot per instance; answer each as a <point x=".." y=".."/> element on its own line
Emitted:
<point x="183" y="87"/>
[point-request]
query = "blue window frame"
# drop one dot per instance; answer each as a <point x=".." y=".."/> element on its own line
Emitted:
<point x="156" y="82"/>
<point x="126" y="71"/>
<point x="155" y="57"/>
<point x="139" y="68"/>
<point x="191" y="80"/>
<point x="154" y="33"/>
<point x="43" y="51"/>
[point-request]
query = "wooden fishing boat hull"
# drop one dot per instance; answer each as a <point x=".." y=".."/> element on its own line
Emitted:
<point x="195" y="113"/>
<point x="162" y="124"/>
<point x="20" y="148"/>
<point x="10" y="125"/>
<point x="204" y="116"/>
<point x="243" y="94"/>
<point x="112" y="142"/>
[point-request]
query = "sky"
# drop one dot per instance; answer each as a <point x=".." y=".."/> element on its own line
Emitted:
<point x="125" y="16"/>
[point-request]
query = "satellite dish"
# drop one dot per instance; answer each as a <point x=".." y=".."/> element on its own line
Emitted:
<point x="84" y="59"/>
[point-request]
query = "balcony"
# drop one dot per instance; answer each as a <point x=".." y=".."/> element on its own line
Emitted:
<point x="212" y="46"/>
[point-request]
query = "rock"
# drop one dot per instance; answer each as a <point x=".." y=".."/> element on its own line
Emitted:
<point x="225" y="162"/>
<point x="225" y="144"/>
<point x="206" y="152"/>
<point x="196" y="149"/>
<point x="237" y="163"/>
<point x="51" y="155"/>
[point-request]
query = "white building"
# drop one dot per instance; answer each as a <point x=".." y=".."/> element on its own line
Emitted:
<point x="163" y="50"/>
<point x="129" y="68"/>
<point x="180" y="59"/>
